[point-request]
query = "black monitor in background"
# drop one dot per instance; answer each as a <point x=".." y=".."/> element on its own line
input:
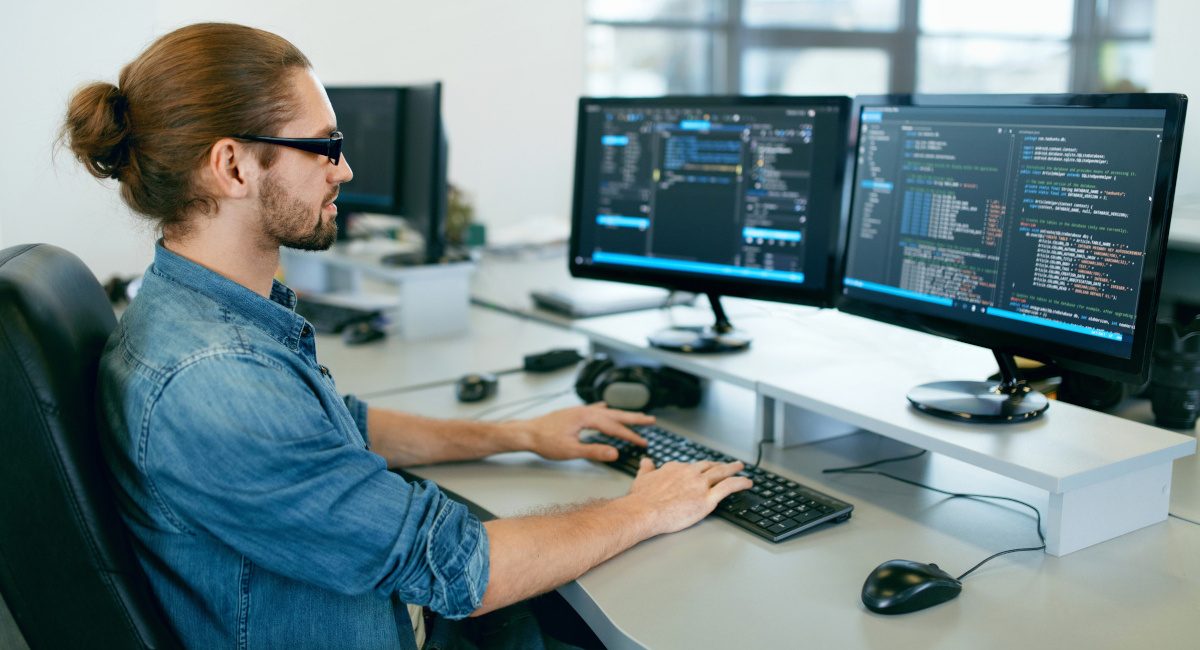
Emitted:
<point x="720" y="195"/>
<point x="396" y="143"/>
<point x="1032" y="225"/>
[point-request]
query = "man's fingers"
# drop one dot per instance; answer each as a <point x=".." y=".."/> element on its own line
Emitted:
<point x="618" y="430"/>
<point x="727" y="487"/>
<point x="704" y="466"/>
<point x="603" y="453"/>
<point x="720" y="471"/>
<point x="645" y="465"/>
<point x="630" y="417"/>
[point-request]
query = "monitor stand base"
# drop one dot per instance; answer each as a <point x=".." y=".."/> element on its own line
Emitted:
<point x="718" y="337"/>
<point x="978" y="401"/>
<point x="1008" y="401"/>
<point x="699" y="340"/>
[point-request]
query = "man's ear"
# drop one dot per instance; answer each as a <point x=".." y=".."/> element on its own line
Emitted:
<point x="231" y="168"/>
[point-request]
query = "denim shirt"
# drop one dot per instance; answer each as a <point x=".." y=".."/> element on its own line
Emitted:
<point x="257" y="510"/>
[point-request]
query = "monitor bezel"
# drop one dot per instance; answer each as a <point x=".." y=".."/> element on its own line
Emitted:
<point x="697" y="283"/>
<point x="1133" y="370"/>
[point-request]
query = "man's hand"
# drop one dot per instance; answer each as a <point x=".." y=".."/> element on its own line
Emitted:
<point x="681" y="494"/>
<point x="556" y="435"/>
<point x="531" y="555"/>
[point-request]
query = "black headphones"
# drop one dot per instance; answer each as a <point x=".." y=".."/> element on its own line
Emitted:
<point x="635" y="388"/>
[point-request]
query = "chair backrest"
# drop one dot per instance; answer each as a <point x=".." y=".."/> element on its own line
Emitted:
<point x="67" y="569"/>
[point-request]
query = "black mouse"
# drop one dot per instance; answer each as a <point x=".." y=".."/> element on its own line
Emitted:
<point x="903" y="586"/>
<point x="361" y="332"/>
<point x="476" y="386"/>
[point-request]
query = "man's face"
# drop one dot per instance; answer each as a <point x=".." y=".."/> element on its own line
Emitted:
<point x="297" y="192"/>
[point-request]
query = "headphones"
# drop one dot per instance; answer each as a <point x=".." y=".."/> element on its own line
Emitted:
<point x="635" y="388"/>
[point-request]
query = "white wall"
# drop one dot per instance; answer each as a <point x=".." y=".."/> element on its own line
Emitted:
<point x="51" y="50"/>
<point x="1176" y="53"/>
<point x="512" y="71"/>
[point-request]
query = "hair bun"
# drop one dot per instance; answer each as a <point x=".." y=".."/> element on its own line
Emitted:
<point x="97" y="128"/>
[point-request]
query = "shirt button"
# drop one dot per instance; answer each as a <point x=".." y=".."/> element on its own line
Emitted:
<point x="304" y="332"/>
<point x="324" y="371"/>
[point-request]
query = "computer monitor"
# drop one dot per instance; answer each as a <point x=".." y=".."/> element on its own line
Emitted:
<point x="721" y="195"/>
<point x="396" y="141"/>
<point x="1032" y="225"/>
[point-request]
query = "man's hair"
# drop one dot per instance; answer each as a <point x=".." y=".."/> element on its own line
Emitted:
<point x="190" y="88"/>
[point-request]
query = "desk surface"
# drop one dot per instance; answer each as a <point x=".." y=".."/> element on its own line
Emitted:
<point x="714" y="585"/>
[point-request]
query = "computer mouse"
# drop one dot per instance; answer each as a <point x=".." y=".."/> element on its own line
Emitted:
<point x="361" y="332"/>
<point x="903" y="586"/>
<point x="476" y="386"/>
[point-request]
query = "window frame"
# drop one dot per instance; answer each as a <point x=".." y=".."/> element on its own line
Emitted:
<point x="1089" y="33"/>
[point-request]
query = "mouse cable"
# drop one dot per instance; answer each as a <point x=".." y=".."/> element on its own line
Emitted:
<point x="537" y="363"/>
<point x="844" y="470"/>
<point x="953" y="495"/>
<point x="429" y="384"/>
<point x="525" y="404"/>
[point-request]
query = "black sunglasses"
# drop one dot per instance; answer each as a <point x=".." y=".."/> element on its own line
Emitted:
<point x="331" y="146"/>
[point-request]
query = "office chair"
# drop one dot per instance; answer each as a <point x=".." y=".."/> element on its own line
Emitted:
<point x="67" y="569"/>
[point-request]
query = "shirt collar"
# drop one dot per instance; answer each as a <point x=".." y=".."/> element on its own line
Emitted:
<point x="276" y="316"/>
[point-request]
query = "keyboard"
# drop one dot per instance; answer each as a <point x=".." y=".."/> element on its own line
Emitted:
<point x="775" y="508"/>
<point x="328" y="318"/>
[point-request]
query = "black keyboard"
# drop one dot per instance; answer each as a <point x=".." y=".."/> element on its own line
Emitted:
<point x="328" y="318"/>
<point x="775" y="508"/>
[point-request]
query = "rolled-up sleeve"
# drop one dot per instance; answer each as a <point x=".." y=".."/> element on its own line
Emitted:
<point x="358" y="411"/>
<point x="240" y="447"/>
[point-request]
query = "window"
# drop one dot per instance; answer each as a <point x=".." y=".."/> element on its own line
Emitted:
<point x="853" y="47"/>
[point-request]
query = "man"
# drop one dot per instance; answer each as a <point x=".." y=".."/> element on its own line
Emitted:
<point x="260" y="500"/>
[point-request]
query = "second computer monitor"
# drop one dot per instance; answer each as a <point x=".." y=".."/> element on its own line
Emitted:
<point x="1032" y="225"/>
<point x="396" y="141"/>
<point x="735" y="196"/>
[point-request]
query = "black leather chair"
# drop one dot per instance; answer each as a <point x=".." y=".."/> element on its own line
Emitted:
<point x="67" y="570"/>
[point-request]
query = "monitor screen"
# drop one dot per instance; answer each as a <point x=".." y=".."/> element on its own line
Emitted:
<point x="396" y="142"/>
<point x="735" y="196"/>
<point x="371" y="121"/>
<point x="1029" y="224"/>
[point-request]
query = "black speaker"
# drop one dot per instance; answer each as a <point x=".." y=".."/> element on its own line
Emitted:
<point x="636" y="388"/>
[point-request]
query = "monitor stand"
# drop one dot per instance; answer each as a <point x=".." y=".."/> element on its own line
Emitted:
<point x="982" y="401"/>
<point x="719" y="337"/>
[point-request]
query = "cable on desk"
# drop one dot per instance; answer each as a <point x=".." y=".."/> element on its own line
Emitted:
<point x="529" y="402"/>
<point x="1190" y="521"/>
<point x="516" y="311"/>
<point x="429" y="384"/>
<point x="861" y="469"/>
<point x="758" y="458"/>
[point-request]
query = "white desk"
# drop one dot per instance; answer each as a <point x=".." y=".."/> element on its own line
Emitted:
<point x="824" y="373"/>
<point x="716" y="586"/>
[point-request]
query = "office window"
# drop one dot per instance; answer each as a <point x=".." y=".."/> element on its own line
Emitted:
<point x="648" y="61"/>
<point x="815" y="71"/>
<point x="977" y="47"/>
<point x="843" y="15"/>
<point x="648" y="47"/>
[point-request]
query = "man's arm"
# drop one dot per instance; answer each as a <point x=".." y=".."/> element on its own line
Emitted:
<point x="532" y="555"/>
<point x="404" y="439"/>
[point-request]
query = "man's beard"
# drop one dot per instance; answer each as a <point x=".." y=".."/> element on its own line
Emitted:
<point x="285" y="219"/>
